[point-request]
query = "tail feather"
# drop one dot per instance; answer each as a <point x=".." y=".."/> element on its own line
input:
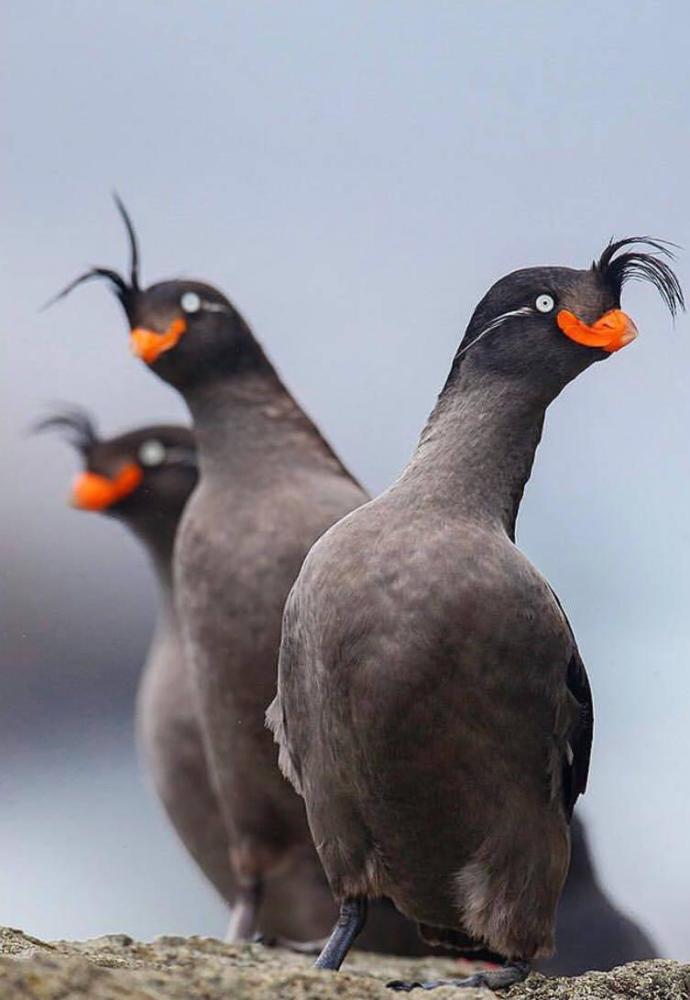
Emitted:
<point x="276" y="722"/>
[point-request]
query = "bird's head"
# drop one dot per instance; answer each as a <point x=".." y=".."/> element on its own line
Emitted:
<point x="148" y="472"/>
<point x="186" y="331"/>
<point x="547" y="324"/>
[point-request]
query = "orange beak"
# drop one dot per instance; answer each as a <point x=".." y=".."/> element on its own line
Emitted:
<point x="611" y="331"/>
<point x="93" y="492"/>
<point x="148" y="345"/>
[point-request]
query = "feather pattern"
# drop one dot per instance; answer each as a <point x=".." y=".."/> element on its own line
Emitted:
<point x="77" y="425"/>
<point x="616" y="267"/>
<point x="127" y="292"/>
<point x="493" y="325"/>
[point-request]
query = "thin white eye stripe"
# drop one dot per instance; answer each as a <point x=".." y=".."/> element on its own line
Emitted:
<point x="214" y="307"/>
<point x="154" y="453"/>
<point x="182" y="456"/>
<point x="524" y="311"/>
<point x="192" y="303"/>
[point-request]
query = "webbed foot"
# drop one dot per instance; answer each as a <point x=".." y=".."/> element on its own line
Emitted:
<point x="494" y="979"/>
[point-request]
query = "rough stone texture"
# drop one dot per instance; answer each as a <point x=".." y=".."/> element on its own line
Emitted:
<point x="171" y="968"/>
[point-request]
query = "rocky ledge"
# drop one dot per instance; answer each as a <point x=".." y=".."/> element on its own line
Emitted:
<point x="175" y="968"/>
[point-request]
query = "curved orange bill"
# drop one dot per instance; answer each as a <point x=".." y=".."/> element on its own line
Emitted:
<point x="93" y="492"/>
<point x="148" y="345"/>
<point x="611" y="331"/>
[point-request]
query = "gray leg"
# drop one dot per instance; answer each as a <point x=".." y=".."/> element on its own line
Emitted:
<point x="245" y="913"/>
<point x="495" y="979"/>
<point x="353" y="916"/>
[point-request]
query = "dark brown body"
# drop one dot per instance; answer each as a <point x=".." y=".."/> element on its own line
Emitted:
<point x="427" y="667"/>
<point x="433" y="709"/>
<point x="241" y="543"/>
<point x="171" y="746"/>
<point x="418" y="685"/>
<point x="167" y="723"/>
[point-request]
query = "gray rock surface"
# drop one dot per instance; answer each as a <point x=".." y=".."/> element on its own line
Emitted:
<point x="173" y="968"/>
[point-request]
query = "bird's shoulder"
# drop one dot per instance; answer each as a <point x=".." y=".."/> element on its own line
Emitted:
<point x="380" y="572"/>
<point x="379" y="547"/>
<point x="279" y="518"/>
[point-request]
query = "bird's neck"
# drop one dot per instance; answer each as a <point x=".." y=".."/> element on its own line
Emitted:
<point x="476" y="452"/>
<point x="156" y="531"/>
<point x="249" y="424"/>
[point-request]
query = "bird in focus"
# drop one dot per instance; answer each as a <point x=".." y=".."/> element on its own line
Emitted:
<point x="433" y="709"/>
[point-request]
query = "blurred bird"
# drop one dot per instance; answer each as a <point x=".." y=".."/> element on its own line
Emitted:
<point x="269" y="486"/>
<point x="144" y="479"/>
<point x="433" y="709"/>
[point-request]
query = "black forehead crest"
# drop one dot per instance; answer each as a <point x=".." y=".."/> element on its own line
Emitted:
<point x="618" y="265"/>
<point x="126" y="291"/>
<point x="75" y="423"/>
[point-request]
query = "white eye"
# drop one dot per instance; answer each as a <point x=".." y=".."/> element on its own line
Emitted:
<point x="152" y="453"/>
<point x="544" y="303"/>
<point x="190" y="302"/>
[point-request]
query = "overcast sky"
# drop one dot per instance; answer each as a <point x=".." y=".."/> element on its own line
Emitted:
<point x="355" y="175"/>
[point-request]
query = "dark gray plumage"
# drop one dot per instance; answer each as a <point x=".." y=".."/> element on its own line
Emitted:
<point x="168" y="731"/>
<point x="432" y="706"/>
<point x="269" y="487"/>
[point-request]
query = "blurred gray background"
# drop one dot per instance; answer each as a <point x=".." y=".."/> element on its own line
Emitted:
<point x="354" y="174"/>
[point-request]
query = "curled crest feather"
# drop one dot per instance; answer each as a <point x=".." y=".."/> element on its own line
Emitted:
<point x="127" y="291"/>
<point x="617" y="267"/>
<point x="75" y="423"/>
